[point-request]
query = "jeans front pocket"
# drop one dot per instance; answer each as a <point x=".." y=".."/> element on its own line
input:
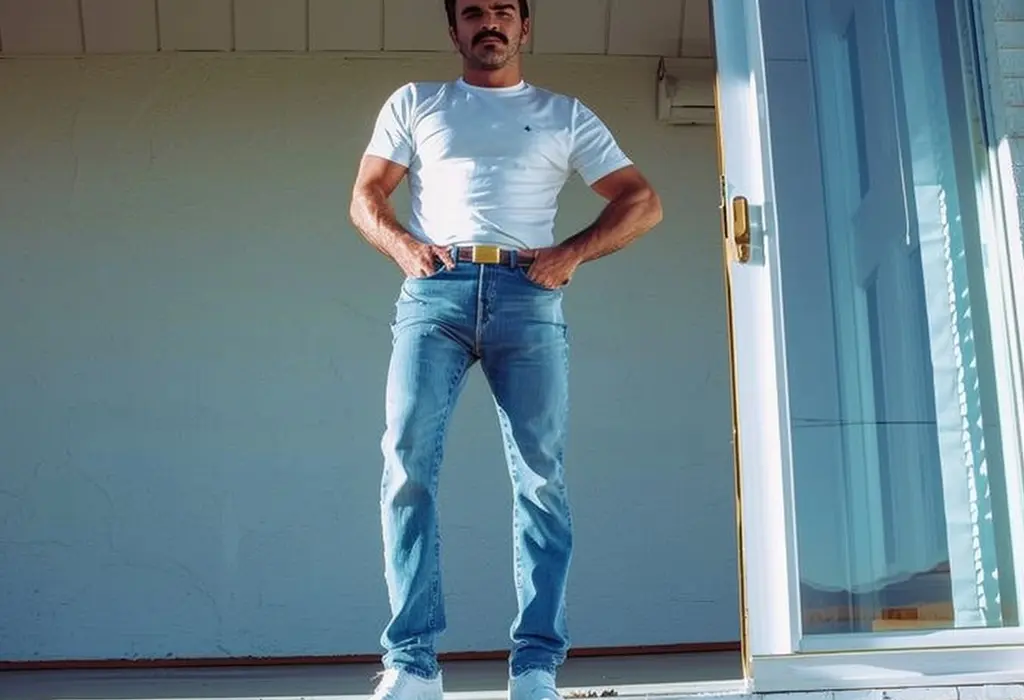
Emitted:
<point x="438" y="269"/>
<point x="523" y="273"/>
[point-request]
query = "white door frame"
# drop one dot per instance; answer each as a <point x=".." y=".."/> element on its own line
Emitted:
<point x="777" y="657"/>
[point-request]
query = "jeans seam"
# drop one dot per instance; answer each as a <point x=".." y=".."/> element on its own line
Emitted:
<point x="478" y="335"/>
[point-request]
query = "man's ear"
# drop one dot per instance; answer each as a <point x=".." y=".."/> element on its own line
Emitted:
<point x="454" y="36"/>
<point x="527" y="28"/>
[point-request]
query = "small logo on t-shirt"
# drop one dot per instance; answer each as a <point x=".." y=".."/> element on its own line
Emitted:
<point x="529" y="128"/>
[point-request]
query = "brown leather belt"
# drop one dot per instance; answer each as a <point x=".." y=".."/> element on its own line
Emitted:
<point x="493" y="255"/>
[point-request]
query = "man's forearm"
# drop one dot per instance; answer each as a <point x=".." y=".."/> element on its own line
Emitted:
<point x="623" y="220"/>
<point x="373" y="216"/>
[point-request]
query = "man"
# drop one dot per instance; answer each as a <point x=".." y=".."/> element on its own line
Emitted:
<point x="486" y="156"/>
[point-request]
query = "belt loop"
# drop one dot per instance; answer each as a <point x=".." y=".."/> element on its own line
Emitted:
<point x="513" y="258"/>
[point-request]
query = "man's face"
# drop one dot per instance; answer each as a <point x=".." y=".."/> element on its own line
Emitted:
<point x="489" y="33"/>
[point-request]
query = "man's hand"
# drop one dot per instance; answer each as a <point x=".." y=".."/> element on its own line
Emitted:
<point x="373" y="216"/>
<point x="553" y="267"/>
<point x="418" y="259"/>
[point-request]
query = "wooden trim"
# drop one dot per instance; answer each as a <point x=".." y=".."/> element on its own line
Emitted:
<point x="114" y="664"/>
<point x="701" y="648"/>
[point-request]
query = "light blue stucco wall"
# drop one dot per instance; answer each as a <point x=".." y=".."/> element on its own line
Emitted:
<point x="193" y="356"/>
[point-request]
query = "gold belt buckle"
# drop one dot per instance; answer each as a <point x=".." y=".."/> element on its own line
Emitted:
<point x="486" y="254"/>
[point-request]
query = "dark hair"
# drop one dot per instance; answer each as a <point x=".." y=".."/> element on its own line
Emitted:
<point x="449" y="7"/>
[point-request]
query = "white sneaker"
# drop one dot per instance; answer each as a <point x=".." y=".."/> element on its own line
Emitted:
<point x="533" y="685"/>
<point x="396" y="684"/>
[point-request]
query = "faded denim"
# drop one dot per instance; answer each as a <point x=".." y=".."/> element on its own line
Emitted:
<point x="443" y="325"/>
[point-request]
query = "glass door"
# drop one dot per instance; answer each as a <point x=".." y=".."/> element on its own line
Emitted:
<point x="878" y="441"/>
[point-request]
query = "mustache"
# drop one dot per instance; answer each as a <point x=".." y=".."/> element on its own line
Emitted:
<point x="489" y="34"/>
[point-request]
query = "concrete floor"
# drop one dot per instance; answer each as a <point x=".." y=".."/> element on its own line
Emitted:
<point x="628" y="677"/>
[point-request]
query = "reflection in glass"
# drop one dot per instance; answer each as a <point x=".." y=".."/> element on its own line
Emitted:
<point x="902" y="520"/>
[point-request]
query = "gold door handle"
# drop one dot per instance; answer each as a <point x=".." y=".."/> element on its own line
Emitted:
<point x="741" y="228"/>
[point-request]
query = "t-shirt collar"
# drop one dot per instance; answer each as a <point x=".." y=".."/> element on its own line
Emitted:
<point x="518" y="87"/>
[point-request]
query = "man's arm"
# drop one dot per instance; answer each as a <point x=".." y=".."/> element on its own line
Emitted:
<point x="633" y="209"/>
<point x="371" y="211"/>
<point x="374" y="217"/>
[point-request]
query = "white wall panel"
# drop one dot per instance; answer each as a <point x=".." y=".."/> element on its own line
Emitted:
<point x="196" y="25"/>
<point x="120" y="26"/>
<point x="572" y="26"/>
<point x="645" y="27"/>
<point x="40" y="27"/>
<point x="270" y="25"/>
<point x="637" y="27"/>
<point x="416" y="25"/>
<point x="696" y="42"/>
<point x="346" y="25"/>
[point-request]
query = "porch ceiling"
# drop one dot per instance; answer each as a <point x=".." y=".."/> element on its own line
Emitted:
<point x="75" y="27"/>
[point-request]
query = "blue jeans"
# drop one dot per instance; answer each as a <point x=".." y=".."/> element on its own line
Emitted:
<point x="443" y="325"/>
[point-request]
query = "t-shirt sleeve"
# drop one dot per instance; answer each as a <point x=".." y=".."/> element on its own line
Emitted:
<point x="392" y="132"/>
<point x="595" y="153"/>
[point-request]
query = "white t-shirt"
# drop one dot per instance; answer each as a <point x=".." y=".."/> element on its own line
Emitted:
<point x="486" y="165"/>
